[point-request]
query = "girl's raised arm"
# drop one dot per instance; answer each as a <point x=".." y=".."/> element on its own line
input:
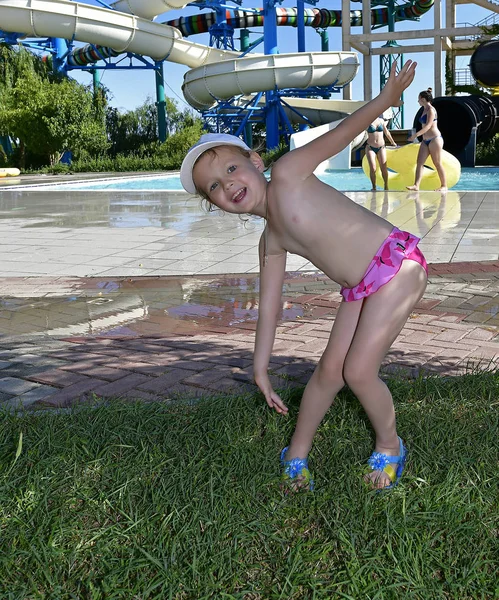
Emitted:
<point x="304" y="160"/>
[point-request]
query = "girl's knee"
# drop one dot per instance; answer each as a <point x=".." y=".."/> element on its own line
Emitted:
<point x="357" y="374"/>
<point x="330" y="373"/>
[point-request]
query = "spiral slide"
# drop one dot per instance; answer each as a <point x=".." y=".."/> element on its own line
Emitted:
<point x="319" y="18"/>
<point x="215" y="74"/>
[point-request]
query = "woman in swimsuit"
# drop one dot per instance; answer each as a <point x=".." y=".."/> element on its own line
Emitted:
<point x="375" y="148"/>
<point x="432" y="143"/>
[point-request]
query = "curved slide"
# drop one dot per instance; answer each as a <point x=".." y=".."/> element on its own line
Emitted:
<point x="215" y="74"/>
<point x="319" y="18"/>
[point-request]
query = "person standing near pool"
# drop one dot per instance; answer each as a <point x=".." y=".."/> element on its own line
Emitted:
<point x="432" y="143"/>
<point x="375" y="149"/>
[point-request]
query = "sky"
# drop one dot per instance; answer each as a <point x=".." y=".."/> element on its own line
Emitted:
<point x="131" y="88"/>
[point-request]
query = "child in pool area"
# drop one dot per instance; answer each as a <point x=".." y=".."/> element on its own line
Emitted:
<point x="307" y="217"/>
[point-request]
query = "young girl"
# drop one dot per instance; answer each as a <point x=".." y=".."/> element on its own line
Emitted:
<point x="375" y="149"/>
<point x="307" y="217"/>
<point x="432" y="143"/>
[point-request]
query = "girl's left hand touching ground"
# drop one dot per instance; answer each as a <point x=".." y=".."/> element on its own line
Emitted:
<point x="273" y="399"/>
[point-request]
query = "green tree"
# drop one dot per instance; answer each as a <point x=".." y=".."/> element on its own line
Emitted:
<point x="49" y="114"/>
<point x="136" y="131"/>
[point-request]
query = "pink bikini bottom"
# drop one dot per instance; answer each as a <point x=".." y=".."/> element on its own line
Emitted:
<point x="398" y="246"/>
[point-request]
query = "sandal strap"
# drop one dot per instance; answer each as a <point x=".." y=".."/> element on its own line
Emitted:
<point x="296" y="467"/>
<point x="379" y="461"/>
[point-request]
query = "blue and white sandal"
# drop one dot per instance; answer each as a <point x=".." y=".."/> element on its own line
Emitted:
<point x="378" y="461"/>
<point x="296" y="467"/>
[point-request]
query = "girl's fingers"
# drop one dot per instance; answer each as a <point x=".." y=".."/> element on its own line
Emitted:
<point x="279" y="404"/>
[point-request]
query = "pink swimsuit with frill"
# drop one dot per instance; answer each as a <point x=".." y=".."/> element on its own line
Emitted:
<point x="398" y="246"/>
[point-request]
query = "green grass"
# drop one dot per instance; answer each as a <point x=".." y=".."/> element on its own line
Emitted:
<point x="183" y="501"/>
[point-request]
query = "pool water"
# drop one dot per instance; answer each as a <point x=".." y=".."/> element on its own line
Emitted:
<point x="477" y="179"/>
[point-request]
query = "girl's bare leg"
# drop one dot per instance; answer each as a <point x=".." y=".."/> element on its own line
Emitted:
<point x="383" y="167"/>
<point x="422" y="156"/>
<point x="326" y="381"/>
<point x="436" y="147"/>
<point x="371" y="161"/>
<point x="383" y="316"/>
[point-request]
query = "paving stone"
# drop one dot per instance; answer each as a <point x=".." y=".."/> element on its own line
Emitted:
<point x="480" y="334"/>
<point x="477" y="317"/>
<point x="72" y="394"/>
<point x="4" y="396"/>
<point x="419" y="337"/>
<point x="452" y="335"/>
<point x="208" y="376"/>
<point x="116" y="388"/>
<point x="162" y="383"/>
<point x="57" y="377"/>
<point x="28" y="398"/>
<point x="318" y="345"/>
<point x="4" y="364"/>
<point x="15" y="386"/>
<point x="99" y="371"/>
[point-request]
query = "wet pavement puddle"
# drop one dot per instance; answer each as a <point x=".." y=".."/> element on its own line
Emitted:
<point x="133" y="306"/>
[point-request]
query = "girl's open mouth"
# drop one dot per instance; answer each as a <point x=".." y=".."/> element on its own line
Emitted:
<point x="239" y="195"/>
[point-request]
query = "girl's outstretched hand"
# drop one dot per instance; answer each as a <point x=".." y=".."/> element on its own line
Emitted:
<point x="398" y="82"/>
<point x="273" y="399"/>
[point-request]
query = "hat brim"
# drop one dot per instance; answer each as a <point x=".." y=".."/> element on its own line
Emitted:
<point x="192" y="156"/>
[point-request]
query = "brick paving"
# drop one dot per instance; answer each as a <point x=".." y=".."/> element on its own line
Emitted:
<point x="453" y="329"/>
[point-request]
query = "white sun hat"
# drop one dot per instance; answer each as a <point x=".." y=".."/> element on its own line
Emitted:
<point x="206" y="141"/>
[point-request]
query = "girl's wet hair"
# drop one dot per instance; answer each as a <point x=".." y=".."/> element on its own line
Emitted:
<point x="205" y="201"/>
<point x="427" y="95"/>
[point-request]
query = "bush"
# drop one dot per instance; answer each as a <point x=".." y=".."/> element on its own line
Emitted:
<point x="119" y="163"/>
<point x="269" y="157"/>
<point x="176" y="146"/>
<point x="487" y="153"/>
<point x="58" y="169"/>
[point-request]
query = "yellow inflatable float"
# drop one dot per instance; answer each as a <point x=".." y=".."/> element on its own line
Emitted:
<point x="10" y="172"/>
<point x="401" y="164"/>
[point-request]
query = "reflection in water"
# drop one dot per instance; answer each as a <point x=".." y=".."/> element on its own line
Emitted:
<point x="101" y="209"/>
<point x="147" y="306"/>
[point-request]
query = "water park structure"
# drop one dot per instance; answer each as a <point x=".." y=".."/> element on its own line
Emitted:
<point x="234" y="89"/>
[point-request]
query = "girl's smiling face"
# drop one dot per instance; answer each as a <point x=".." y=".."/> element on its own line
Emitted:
<point x="232" y="179"/>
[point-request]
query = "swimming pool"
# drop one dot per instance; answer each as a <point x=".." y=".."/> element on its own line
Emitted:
<point x="477" y="179"/>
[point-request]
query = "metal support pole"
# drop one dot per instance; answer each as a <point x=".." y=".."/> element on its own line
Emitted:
<point x="345" y="40"/>
<point x="60" y="47"/>
<point x="300" y="7"/>
<point x="248" y="130"/>
<point x="368" y="61"/>
<point x="271" y="98"/>
<point x="386" y="61"/>
<point x="324" y="41"/>
<point x="437" y="15"/>
<point x="96" y="75"/>
<point x="160" y="101"/>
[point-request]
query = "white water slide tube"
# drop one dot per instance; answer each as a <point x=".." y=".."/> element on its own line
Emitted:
<point x="214" y="75"/>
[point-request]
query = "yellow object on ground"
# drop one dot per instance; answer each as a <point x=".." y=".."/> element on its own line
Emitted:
<point x="10" y="172"/>
<point x="402" y="169"/>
